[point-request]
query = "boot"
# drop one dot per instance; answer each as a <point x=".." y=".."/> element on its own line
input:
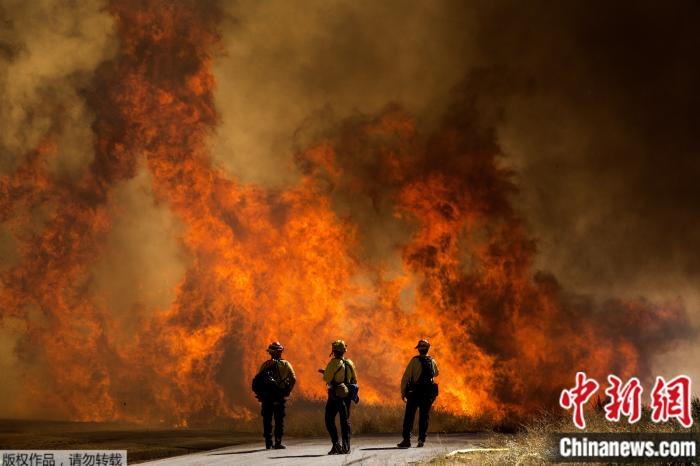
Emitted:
<point x="405" y="443"/>
<point x="420" y="443"/>
<point x="346" y="446"/>
<point x="278" y="444"/>
<point x="268" y="443"/>
<point x="336" y="449"/>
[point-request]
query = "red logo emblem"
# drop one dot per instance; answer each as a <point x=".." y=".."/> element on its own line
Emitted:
<point x="671" y="400"/>
<point x="626" y="400"/>
<point x="578" y="396"/>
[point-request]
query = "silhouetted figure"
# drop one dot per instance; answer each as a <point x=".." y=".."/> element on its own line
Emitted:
<point x="272" y="384"/>
<point x="419" y="391"/>
<point x="341" y="380"/>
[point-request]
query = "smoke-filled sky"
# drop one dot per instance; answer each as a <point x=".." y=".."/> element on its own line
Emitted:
<point x="594" y="106"/>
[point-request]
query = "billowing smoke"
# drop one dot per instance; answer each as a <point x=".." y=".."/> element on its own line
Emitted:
<point x="377" y="172"/>
<point x="48" y="53"/>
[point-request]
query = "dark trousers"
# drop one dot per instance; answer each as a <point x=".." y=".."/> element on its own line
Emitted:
<point x="413" y="404"/>
<point x="339" y="406"/>
<point x="269" y="409"/>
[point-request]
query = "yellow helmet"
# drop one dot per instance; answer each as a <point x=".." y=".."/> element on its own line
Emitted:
<point x="339" y="345"/>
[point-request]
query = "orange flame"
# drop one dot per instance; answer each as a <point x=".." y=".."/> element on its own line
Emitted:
<point x="284" y="265"/>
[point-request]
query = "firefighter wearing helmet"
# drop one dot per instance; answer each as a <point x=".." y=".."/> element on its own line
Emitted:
<point x="272" y="385"/>
<point x="418" y="391"/>
<point x="341" y="380"/>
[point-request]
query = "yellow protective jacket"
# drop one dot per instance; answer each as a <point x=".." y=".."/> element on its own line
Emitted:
<point x="335" y="371"/>
<point x="413" y="372"/>
<point x="286" y="372"/>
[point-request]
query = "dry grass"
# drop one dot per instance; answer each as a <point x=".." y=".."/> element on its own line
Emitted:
<point x="531" y="445"/>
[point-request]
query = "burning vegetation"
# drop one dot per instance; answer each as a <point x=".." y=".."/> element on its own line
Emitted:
<point x="392" y="233"/>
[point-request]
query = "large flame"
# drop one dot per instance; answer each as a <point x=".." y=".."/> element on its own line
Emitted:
<point x="266" y="265"/>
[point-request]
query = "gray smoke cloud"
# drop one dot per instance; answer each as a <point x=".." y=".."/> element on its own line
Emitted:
<point x="143" y="262"/>
<point x="48" y="52"/>
<point x="284" y="62"/>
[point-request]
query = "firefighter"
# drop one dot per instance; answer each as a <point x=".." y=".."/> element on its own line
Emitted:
<point x="276" y="380"/>
<point x="341" y="380"/>
<point x="418" y="391"/>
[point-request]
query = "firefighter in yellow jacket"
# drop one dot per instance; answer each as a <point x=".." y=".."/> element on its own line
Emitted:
<point x="339" y="374"/>
<point x="273" y="401"/>
<point x="419" y="391"/>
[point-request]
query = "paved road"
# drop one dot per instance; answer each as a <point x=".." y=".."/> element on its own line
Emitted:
<point x="366" y="450"/>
